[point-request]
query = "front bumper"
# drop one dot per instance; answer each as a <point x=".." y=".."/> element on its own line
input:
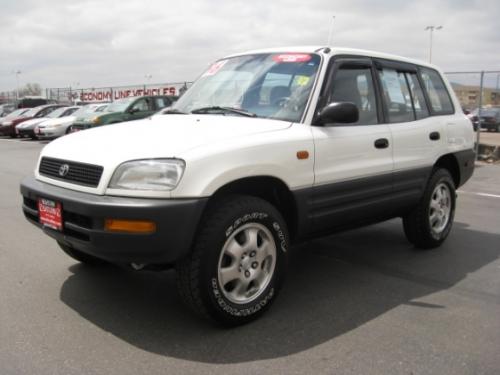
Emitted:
<point x="26" y="132"/>
<point x="83" y="223"/>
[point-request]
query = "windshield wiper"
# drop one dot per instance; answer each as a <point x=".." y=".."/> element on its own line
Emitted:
<point x="173" y="111"/>
<point x="216" y="108"/>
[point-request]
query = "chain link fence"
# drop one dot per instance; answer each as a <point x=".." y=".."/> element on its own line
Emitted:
<point x="478" y="92"/>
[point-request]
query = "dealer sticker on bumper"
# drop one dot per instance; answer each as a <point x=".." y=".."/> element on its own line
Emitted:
<point x="50" y="213"/>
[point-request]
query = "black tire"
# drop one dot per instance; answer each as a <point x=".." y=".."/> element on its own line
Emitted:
<point x="81" y="256"/>
<point x="417" y="224"/>
<point x="198" y="276"/>
<point x="68" y="130"/>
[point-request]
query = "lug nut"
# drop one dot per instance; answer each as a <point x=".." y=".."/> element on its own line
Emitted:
<point x="255" y="265"/>
<point x="247" y="273"/>
<point x="253" y="253"/>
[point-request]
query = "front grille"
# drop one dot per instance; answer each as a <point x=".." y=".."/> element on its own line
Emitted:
<point x="78" y="173"/>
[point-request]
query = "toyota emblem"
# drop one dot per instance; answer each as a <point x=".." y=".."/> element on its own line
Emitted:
<point x="63" y="170"/>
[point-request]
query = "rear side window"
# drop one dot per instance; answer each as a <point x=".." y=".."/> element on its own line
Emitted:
<point x="439" y="97"/>
<point x="161" y="102"/>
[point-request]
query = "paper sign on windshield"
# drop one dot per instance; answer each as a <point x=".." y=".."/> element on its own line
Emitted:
<point x="291" y="57"/>
<point x="214" y="68"/>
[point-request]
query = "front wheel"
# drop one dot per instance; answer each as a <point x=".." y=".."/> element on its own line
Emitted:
<point x="238" y="262"/>
<point x="430" y="222"/>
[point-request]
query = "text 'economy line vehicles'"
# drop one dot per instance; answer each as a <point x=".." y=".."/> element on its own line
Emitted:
<point x="266" y="149"/>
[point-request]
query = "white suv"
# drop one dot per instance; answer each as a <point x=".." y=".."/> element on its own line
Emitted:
<point x="266" y="149"/>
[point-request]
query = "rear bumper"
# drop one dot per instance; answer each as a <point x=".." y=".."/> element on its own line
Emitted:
<point x="7" y="130"/>
<point x="83" y="223"/>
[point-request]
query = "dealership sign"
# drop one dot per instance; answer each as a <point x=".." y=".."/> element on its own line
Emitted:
<point x="111" y="94"/>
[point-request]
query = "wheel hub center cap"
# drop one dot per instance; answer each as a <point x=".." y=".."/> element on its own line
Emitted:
<point x="246" y="263"/>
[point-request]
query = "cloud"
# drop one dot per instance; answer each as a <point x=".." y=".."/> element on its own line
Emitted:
<point x="100" y="43"/>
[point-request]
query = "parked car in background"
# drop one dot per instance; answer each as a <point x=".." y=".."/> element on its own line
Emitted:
<point x="9" y="127"/>
<point x="7" y="120"/>
<point x="33" y="101"/>
<point x="56" y="127"/>
<point x="27" y="128"/>
<point x="126" y="109"/>
<point x="90" y="111"/>
<point x="490" y="119"/>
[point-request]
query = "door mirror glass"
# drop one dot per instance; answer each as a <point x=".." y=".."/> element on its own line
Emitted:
<point x="339" y="113"/>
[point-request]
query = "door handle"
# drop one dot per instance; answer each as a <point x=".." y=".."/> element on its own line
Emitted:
<point x="382" y="143"/>
<point x="434" y="136"/>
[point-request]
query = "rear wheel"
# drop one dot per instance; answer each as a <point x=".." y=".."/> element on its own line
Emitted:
<point x="428" y="225"/>
<point x="238" y="262"/>
<point x="81" y="256"/>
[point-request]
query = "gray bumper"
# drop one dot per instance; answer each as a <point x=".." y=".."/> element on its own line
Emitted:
<point x="84" y="214"/>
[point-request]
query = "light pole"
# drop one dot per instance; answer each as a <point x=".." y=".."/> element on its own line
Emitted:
<point x="496" y="89"/>
<point x="17" y="72"/>
<point x="330" y="34"/>
<point x="431" y="29"/>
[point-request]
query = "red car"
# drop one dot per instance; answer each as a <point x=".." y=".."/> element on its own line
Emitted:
<point x="8" y="125"/>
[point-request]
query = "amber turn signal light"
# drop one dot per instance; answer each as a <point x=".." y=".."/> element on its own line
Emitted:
<point x="129" y="226"/>
<point x="302" y="155"/>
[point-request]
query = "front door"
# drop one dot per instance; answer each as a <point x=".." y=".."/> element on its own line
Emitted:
<point x="353" y="162"/>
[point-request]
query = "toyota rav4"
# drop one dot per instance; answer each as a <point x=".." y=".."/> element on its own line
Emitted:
<point x="266" y="149"/>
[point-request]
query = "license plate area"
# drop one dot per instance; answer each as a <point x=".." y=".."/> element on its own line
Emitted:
<point x="50" y="213"/>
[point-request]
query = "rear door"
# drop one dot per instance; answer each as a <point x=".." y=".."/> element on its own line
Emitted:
<point x="417" y="136"/>
<point x="353" y="162"/>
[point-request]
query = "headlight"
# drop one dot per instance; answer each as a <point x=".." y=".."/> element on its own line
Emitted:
<point x="149" y="174"/>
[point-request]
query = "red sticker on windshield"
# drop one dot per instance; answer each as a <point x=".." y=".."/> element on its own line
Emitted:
<point x="214" y="68"/>
<point x="291" y="57"/>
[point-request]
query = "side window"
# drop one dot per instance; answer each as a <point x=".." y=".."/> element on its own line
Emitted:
<point x="436" y="91"/>
<point x="355" y="85"/>
<point x="396" y="95"/>
<point x="161" y="102"/>
<point x="140" y="106"/>
<point x="417" y="95"/>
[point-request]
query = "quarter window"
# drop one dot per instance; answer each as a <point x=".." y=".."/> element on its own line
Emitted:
<point x="436" y="91"/>
<point x="355" y="85"/>
<point x="417" y="95"/>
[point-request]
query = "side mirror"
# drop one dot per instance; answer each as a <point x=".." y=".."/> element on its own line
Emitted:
<point x="339" y="112"/>
<point x="133" y="110"/>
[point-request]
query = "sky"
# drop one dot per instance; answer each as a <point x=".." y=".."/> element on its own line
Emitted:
<point x="60" y="43"/>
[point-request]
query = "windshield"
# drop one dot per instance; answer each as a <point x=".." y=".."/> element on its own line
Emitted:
<point x="56" y="113"/>
<point x="120" y="105"/>
<point x="32" y="112"/>
<point x="17" y="113"/>
<point x="273" y="86"/>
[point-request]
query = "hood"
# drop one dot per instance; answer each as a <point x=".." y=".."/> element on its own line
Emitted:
<point x="162" y="136"/>
<point x="57" y="121"/>
<point x="30" y="124"/>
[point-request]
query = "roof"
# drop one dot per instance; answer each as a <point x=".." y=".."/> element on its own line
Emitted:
<point x="337" y="51"/>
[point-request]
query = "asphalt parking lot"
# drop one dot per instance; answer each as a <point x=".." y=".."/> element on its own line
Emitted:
<point x="360" y="302"/>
